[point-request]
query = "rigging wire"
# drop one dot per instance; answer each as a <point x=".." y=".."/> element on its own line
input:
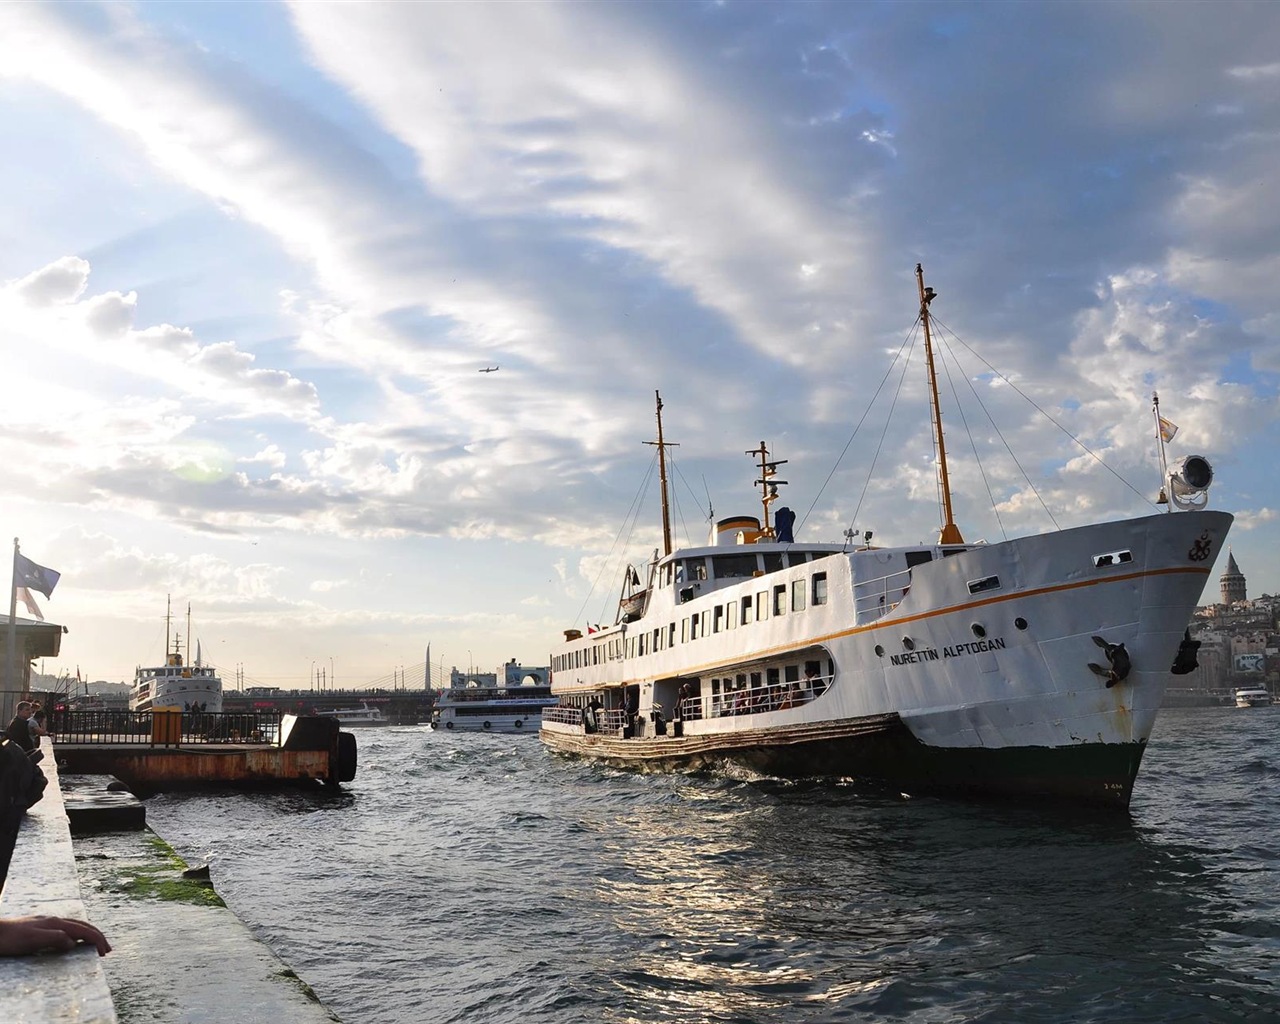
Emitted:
<point x="628" y="526"/>
<point x="1027" y="398"/>
<point x="945" y="357"/>
<point x="867" y="412"/>
<point x="906" y="365"/>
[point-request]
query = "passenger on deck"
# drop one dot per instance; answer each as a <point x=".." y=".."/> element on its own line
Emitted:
<point x="813" y="684"/>
<point x="591" y="715"/>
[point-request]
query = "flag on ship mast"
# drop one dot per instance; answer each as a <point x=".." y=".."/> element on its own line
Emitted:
<point x="1168" y="429"/>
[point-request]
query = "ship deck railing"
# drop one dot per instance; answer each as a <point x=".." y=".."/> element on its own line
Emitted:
<point x="753" y="700"/>
<point x="103" y="726"/>
<point x="750" y="700"/>
<point x="874" y="598"/>
<point x="565" y="716"/>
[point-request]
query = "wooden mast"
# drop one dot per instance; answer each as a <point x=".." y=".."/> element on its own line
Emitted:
<point x="950" y="532"/>
<point x="662" y="476"/>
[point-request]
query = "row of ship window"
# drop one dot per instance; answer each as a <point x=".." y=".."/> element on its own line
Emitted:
<point x="778" y="600"/>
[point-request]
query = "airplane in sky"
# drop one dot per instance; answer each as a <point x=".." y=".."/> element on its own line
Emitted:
<point x="487" y="369"/>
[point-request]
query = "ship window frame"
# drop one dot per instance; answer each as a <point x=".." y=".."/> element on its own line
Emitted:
<point x="984" y="585"/>
<point x="799" y="591"/>
<point x="730" y="567"/>
<point x="717" y="619"/>
<point x="779" y="600"/>
<point x="819" y="596"/>
<point x="731" y="614"/>
<point x="746" y="609"/>
<point x="706" y="622"/>
<point x="762" y="605"/>
<point x="693" y="627"/>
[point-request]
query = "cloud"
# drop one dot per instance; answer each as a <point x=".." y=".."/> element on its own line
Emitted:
<point x="60" y="282"/>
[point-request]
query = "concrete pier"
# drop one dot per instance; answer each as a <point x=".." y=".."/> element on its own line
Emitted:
<point x="179" y="955"/>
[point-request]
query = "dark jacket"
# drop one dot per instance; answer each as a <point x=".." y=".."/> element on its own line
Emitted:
<point x="20" y="733"/>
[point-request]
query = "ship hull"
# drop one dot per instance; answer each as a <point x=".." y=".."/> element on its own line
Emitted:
<point x="884" y="754"/>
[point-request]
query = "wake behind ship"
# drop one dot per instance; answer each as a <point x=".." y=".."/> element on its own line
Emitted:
<point x="1031" y="667"/>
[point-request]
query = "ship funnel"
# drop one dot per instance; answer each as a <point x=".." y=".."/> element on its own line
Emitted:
<point x="735" y="530"/>
<point x="1189" y="481"/>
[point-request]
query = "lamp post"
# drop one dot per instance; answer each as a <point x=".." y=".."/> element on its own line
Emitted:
<point x="469" y="663"/>
<point x="331" y="686"/>
<point x="313" y="675"/>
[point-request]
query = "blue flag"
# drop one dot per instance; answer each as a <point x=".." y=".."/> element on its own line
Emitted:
<point x="34" y="577"/>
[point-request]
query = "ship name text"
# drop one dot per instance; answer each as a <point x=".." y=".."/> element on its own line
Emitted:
<point x="952" y="651"/>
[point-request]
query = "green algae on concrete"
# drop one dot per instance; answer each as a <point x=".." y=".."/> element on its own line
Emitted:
<point x="157" y="876"/>
<point x="179" y="954"/>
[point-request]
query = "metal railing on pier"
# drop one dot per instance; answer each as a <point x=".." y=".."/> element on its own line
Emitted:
<point x="164" y="728"/>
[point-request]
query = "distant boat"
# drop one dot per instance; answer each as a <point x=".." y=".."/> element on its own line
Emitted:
<point x="1032" y="667"/>
<point x="1253" y="697"/>
<point x="356" y="717"/>
<point x="176" y="684"/>
<point x="514" y="705"/>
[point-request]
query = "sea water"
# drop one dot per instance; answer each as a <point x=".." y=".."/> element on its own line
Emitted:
<point x="479" y="878"/>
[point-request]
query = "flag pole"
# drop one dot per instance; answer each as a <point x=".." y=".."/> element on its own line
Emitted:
<point x="13" y="621"/>
<point x="1164" y="459"/>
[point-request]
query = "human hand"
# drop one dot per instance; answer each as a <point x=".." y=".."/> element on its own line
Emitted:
<point x="23" y="936"/>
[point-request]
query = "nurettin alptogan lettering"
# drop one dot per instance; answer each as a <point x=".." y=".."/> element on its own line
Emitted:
<point x="955" y="651"/>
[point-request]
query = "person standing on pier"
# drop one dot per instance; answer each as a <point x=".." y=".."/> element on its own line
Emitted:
<point x="19" y="731"/>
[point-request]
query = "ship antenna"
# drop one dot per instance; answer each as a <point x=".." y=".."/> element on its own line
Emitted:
<point x="950" y="532"/>
<point x="662" y="476"/>
<point x="168" y="614"/>
<point x="768" y="485"/>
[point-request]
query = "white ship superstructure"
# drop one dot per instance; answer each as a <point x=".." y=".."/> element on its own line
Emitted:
<point x="176" y="684"/>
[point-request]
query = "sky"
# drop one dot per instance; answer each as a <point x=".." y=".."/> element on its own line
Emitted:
<point x="254" y="254"/>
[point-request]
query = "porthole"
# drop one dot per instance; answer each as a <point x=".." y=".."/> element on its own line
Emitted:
<point x="979" y="630"/>
<point x="1020" y="622"/>
<point x="908" y="643"/>
<point x="879" y="651"/>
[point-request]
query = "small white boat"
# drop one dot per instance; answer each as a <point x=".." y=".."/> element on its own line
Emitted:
<point x="514" y="704"/>
<point x="357" y="717"/>
<point x="1253" y="697"/>
<point x="176" y="684"/>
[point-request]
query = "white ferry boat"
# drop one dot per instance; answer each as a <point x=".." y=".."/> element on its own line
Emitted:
<point x="361" y="717"/>
<point x="176" y="684"/>
<point x="1031" y="667"/>
<point x="1253" y="697"/>
<point x="512" y="701"/>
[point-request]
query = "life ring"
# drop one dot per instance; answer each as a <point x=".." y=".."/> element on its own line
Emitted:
<point x="519" y="724"/>
<point x="448" y="725"/>
<point x="486" y="725"/>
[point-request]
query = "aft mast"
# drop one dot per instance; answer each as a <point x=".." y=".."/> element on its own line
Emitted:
<point x="950" y="532"/>
<point x="662" y="476"/>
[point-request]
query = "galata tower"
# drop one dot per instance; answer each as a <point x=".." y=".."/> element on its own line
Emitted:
<point x="1232" y="582"/>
